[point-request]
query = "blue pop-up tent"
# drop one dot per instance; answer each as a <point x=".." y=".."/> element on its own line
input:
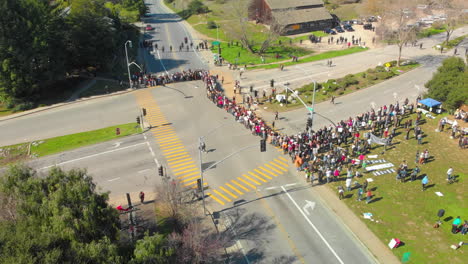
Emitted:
<point x="429" y="102"/>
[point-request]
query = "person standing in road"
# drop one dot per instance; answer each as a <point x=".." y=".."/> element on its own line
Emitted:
<point x="276" y="115"/>
<point x="142" y="197"/>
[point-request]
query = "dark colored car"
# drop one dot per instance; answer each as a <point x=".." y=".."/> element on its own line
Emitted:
<point x="368" y="26"/>
<point x="348" y="27"/>
<point x="339" y="29"/>
<point x="330" y="31"/>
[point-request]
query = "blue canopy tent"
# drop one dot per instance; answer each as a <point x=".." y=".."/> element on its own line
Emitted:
<point x="429" y="102"/>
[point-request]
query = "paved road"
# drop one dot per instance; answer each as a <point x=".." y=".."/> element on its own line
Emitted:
<point x="169" y="31"/>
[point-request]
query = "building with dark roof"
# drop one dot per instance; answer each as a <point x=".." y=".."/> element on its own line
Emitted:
<point x="295" y="16"/>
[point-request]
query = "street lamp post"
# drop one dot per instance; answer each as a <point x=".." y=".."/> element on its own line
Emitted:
<point x="310" y="109"/>
<point x="128" y="64"/>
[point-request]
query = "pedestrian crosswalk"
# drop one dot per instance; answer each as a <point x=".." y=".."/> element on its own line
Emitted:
<point x="249" y="181"/>
<point x="177" y="158"/>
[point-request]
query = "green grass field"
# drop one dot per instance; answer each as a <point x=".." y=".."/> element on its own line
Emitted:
<point x="73" y="141"/>
<point x="4" y="111"/>
<point x="321" y="56"/>
<point x="406" y="212"/>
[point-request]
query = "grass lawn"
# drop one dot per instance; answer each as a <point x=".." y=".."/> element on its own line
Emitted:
<point x="406" y="212"/>
<point x="73" y="141"/>
<point x="427" y="32"/>
<point x="103" y="87"/>
<point x="321" y="56"/>
<point x="363" y="79"/>
<point x="4" y="111"/>
<point x="453" y="42"/>
<point x="231" y="54"/>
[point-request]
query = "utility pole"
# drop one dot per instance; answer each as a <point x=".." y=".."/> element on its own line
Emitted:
<point x="201" y="172"/>
<point x="130" y="216"/>
<point x="128" y="64"/>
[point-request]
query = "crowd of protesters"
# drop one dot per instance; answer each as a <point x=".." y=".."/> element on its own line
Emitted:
<point x="142" y="79"/>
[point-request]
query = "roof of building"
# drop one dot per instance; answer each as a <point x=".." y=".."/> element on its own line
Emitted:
<point x="282" y="4"/>
<point x="300" y="16"/>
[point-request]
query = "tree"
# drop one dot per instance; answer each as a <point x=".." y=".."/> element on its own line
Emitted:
<point x="152" y="249"/>
<point x="448" y="84"/>
<point x="239" y="29"/>
<point x="395" y="27"/>
<point x="455" y="15"/>
<point x="273" y="33"/>
<point x="56" y="218"/>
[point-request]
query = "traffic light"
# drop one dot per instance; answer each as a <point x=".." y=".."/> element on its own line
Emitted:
<point x="138" y="119"/>
<point x="144" y="111"/>
<point x="262" y="145"/>
<point x="199" y="185"/>
<point x="272" y="83"/>
<point x="309" y="122"/>
<point x="161" y="171"/>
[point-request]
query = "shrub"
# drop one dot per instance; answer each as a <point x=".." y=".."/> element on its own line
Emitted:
<point x="380" y="69"/>
<point x="364" y="75"/>
<point x="211" y="24"/>
<point x="370" y="71"/>
<point x="197" y="7"/>
<point x="349" y="80"/>
<point x="23" y="107"/>
<point x="385" y="75"/>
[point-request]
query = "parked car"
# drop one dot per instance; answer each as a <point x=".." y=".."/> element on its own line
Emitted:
<point x="348" y="27"/>
<point x="339" y="29"/>
<point x="368" y="26"/>
<point x="329" y="31"/>
<point x="149" y="27"/>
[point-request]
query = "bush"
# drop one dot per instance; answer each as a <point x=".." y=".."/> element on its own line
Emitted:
<point x="370" y="71"/>
<point x="211" y="24"/>
<point x="197" y="7"/>
<point x="385" y="75"/>
<point x="349" y="80"/>
<point x="380" y="69"/>
<point x="23" y="107"/>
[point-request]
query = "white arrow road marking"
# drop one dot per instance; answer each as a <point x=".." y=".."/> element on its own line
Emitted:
<point x="144" y="170"/>
<point x="313" y="226"/>
<point x="117" y="144"/>
<point x="310" y="205"/>
<point x="114" y="179"/>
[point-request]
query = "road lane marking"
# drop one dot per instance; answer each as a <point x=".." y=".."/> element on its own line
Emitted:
<point x="281" y="158"/>
<point x="228" y="192"/>
<point x="215" y="198"/>
<point x="165" y="137"/>
<point x="182" y="164"/>
<point x="271" y="188"/>
<point x="244" y="181"/>
<point x="222" y="195"/>
<point x="240" y="185"/>
<point x="114" y="179"/>
<point x="191" y="183"/>
<point x="189" y="174"/>
<point x="172" y="145"/>
<point x="252" y="180"/>
<point x="165" y="133"/>
<point x="170" y="142"/>
<point x="167" y="151"/>
<point x="190" y="179"/>
<point x="263" y="174"/>
<point x="160" y="61"/>
<point x="93" y="155"/>
<point x="263" y="169"/>
<point x="178" y="169"/>
<point x="185" y="171"/>
<point x="278" y="166"/>
<point x="175" y="151"/>
<point x="290" y="184"/>
<point x="312" y="225"/>
<point x="234" y="188"/>
<point x="178" y="161"/>
<point x="273" y="169"/>
<point x="282" y="163"/>
<point x="176" y="155"/>
<point x="256" y="176"/>
<point x="144" y="170"/>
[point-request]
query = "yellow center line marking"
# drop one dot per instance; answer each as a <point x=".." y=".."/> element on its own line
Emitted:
<point x="223" y="196"/>
<point x="170" y="146"/>
<point x="185" y="171"/>
<point x="263" y="169"/>
<point x="273" y="169"/>
<point x="234" y="188"/>
<point x="158" y="122"/>
<point x="278" y="166"/>
<point x="181" y="164"/>
<point x="175" y="151"/>
<point x="256" y="176"/>
<point x="244" y="181"/>
<point x="228" y="192"/>
<point x="180" y="157"/>
<point x="188" y="174"/>
<point x="190" y="179"/>
<point x="176" y="155"/>
<point x="263" y="174"/>
<point x="160" y="129"/>
<point x="281" y="158"/>
<point x="178" y="169"/>
<point x="155" y="115"/>
<point x="178" y="161"/>
<point x="240" y="185"/>
<point x="215" y="198"/>
<point x="157" y="119"/>
<point x="179" y="148"/>
<point x="282" y="163"/>
<point x="252" y="180"/>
